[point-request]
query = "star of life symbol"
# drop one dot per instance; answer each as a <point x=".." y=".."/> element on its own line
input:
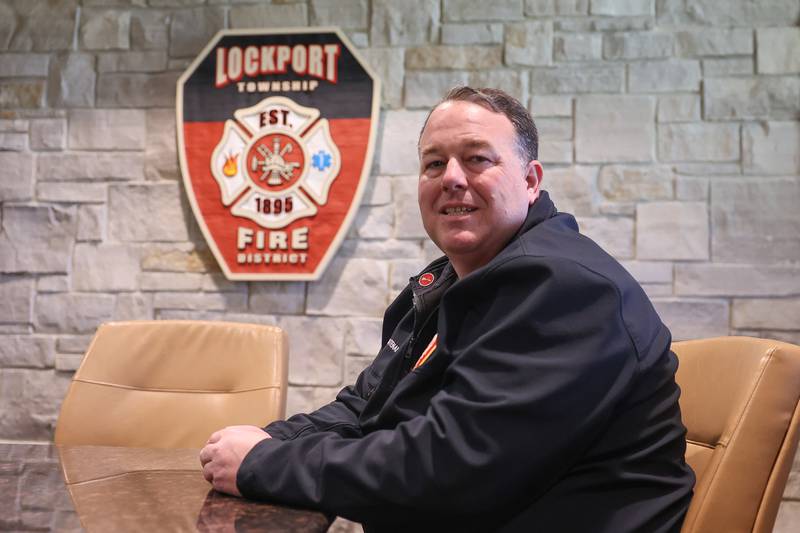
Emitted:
<point x="276" y="162"/>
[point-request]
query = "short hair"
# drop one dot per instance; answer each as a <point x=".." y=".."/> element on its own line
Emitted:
<point x="499" y="102"/>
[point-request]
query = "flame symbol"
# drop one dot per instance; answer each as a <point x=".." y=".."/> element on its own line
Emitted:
<point x="229" y="169"/>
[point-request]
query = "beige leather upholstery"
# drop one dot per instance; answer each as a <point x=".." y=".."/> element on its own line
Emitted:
<point x="170" y="384"/>
<point x="739" y="402"/>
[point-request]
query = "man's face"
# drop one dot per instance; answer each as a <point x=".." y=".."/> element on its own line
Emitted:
<point x="474" y="190"/>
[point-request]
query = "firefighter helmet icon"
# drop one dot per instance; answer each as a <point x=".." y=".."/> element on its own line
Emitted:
<point x="276" y="162"/>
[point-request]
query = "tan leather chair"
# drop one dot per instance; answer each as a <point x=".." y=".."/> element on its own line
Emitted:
<point x="170" y="384"/>
<point x="739" y="400"/>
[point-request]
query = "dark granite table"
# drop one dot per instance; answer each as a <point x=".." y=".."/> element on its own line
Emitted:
<point x="101" y="488"/>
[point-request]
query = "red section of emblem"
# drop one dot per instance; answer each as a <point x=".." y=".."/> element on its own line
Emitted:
<point x="426" y="279"/>
<point x="275" y="162"/>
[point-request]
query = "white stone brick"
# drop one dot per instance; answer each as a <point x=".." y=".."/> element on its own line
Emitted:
<point x="134" y="306"/>
<point x="73" y="343"/>
<point x="472" y="33"/>
<point x="618" y="24"/>
<point x="106" y="129"/>
<point x="622" y="8"/>
<point x="89" y="166"/>
<point x="72" y="81"/>
<point x="402" y="270"/>
<point x="538" y="8"/>
<point x="388" y="66"/>
<point x="778" y="50"/>
<point x="664" y="76"/>
<point x="347" y="14"/>
<point x="203" y="301"/>
<point x="730" y="13"/>
<point x="104" y="268"/>
<point x="572" y="189"/>
<point x="378" y="191"/>
<point x="68" y="362"/>
<point x="390" y="249"/>
<point x="554" y="128"/>
<point x="161" y="158"/>
<point x="715" y="42"/>
<point x="16" y="180"/>
<point x="16" y="299"/>
<point x="23" y="65"/>
<point x="149" y="29"/>
<point x="36" y="238"/>
<point x="139" y="90"/>
<point x="679" y="108"/>
<point x="404" y="22"/>
<point x="26" y="352"/>
<point x="279" y="298"/>
<point x="672" y="230"/>
<point x="13" y="141"/>
<point x="15" y="125"/>
<point x="217" y="282"/>
<point x="373" y="222"/>
<point x="773" y="313"/>
<point x="613" y="234"/>
<point x="529" y="43"/>
<point x="691" y="188"/>
<point x="308" y="399"/>
<point x="169" y="281"/>
<point x="693" y="318"/>
<point x="617" y="209"/>
<point x="147" y="213"/>
<point x="514" y="82"/>
<point x="614" y="128"/>
<point x="468" y="10"/>
<point x="105" y="29"/>
<point x="450" y="57"/>
<point x="716" y="279"/>
<point x="707" y="169"/>
<point x="755" y="221"/>
<point x="698" y="141"/>
<point x="426" y="89"/>
<point x="555" y="152"/>
<point x="589" y="78"/>
<point x="53" y="283"/>
<point x="91" y="223"/>
<point x="354" y="287"/>
<point x="48" y="134"/>
<point x="550" y="106"/>
<point x="408" y="221"/>
<point x="751" y="97"/>
<point x="353" y="366"/>
<point x="578" y="47"/>
<point x="72" y="313"/>
<point x="649" y="271"/>
<point x="30" y="400"/>
<point x="628" y="183"/>
<point x="728" y="66"/>
<point x="638" y="45"/>
<point x="771" y="148"/>
<point x="177" y="257"/>
<point x="133" y="61"/>
<point x="191" y="29"/>
<point x="317" y="350"/>
<point x="80" y="192"/>
<point x="398" y="148"/>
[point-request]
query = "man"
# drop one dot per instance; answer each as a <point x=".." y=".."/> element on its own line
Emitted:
<point x="525" y="382"/>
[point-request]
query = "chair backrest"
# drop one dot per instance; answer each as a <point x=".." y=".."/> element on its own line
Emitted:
<point x="170" y="384"/>
<point x="739" y="401"/>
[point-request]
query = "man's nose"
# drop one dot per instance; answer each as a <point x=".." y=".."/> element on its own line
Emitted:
<point x="454" y="175"/>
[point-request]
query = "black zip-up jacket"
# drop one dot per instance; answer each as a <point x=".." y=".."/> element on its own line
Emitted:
<point x="549" y="405"/>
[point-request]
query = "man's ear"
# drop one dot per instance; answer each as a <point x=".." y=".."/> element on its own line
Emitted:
<point x="534" y="173"/>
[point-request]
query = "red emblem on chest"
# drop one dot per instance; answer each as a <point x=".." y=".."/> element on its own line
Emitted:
<point x="426" y="279"/>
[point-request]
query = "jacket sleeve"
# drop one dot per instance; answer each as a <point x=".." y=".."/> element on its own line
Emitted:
<point x="539" y="356"/>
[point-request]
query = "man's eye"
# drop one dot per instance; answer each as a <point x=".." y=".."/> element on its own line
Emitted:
<point x="434" y="164"/>
<point x="478" y="159"/>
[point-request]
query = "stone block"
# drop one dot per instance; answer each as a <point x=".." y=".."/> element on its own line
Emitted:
<point x="134" y="306"/>
<point x="678" y="108"/>
<point x="538" y="8"/>
<point x="651" y="272"/>
<point x="390" y="249"/>
<point x="91" y="223"/>
<point x="398" y="148"/>
<point x="755" y="221"/>
<point x="15" y="329"/>
<point x="217" y="282"/>
<point x="353" y="287"/>
<point x="623" y="8"/>
<point x="161" y="157"/>
<point x="68" y="362"/>
<point x="373" y="222"/>
<point x="528" y="43"/>
<point x="137" y="90"/>
<point x="468" y="10"/>
<point x="614" y="128"/>
<point x="698" y="141"/>
<point x="72" y="313"/>
<point x="317" y="350"/>
<point x="23" y="65"/>
<point x="73" y="343"/>
<point x="133" y="61"/>
<point x="8" y="25"/>
<point x="30" y="400"/>
<point x="559" y="129"/>
<point x="664" y="76"/>
<point x="778" y="50"/>
<point x="149" y="29"/>
<point x="788" y="517"/>
<point x="627" y="183"/>
<point x="617" y="24"/>
<point x="105" y="29"/>
<point x="191" y="29"/>
<point x="770" y="313"/>
<point x="453" y="57"/>
<point x="694" y="318"/>
<point x="43" y="26"/>
<point x="14" y="125"/>
<point x="613" y="234"/>
<point x="730" y="13"/>
<point x="89" y="166"/>
<point x="378" y="191"/>
<point x="48" y="134"/>
<point x="404" y="22"/>
<point x="106" y="129"/>
<point x="72" y="80"/>
<point x="542" y="105"/>
<point x="353" y="367"/>
<point x="728" y="66"/>
<point x="514" y="82"/>
<point x="715" y="42"/>
<point x="556" y="152"/>
<point x="105" y="268"/>
<point x="387" y="64"/>
<point x="147" y="213"/>
<point x="638" y="45"/>
<point x="672" y="231"/>
<point x="589" y="78"/>
<point x="426" y="89"/>
<point x="169" y="281"/>
<point x="178" y="258"/>
<point x="408" y="221"/>
<point x="716" y="279"/>
<point x="16" y="299"/>
<point x="347" y="14"/>
<point x="691" y="188"/>
<point x="204" y="301"/>
<point x="751" y="97"/>
<point x="572" y="189"/>
<point x="16" y="142"/>
<point x="21" y="94"/>
<point x="36" y="238"/>
<point x="17" y="180"/>
<point x="472" y="33"/>
<point x="709" y="169"/>
<point x="266" y="16"/>
<point x="771" y="148"/>
<point x="617" y="209"/>
<point x="53" y="283"/>
<point x="278" y="297"/>
<point x="70" y="192"/>
<point x="402" y="270"/>
<point x="308" y="399"/>
<point x="578" y="47"/>
<point x="23" y="351"/>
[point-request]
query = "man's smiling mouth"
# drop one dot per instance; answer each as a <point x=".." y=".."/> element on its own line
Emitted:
<point x="462" y="210"/>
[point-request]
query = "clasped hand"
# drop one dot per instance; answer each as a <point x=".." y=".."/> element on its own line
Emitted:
<point x="224" y="452"/>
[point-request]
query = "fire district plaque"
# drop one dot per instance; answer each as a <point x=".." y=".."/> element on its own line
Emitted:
<point x="275" y="136"/>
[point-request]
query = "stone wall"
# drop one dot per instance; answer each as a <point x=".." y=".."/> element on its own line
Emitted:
<point x="668" y="127"/>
